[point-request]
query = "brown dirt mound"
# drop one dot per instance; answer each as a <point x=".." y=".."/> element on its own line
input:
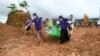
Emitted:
<point x="17" y="18"/>
<point x="84" y="42"/>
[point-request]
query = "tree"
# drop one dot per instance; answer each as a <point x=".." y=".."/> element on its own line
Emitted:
<point x="23" y="4"/>
<point x="12" y="7"/>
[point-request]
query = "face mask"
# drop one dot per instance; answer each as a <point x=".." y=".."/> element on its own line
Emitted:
<point x="34" y="17"/>
<point x="61" y="19"/>
<point x="57" y="22"/>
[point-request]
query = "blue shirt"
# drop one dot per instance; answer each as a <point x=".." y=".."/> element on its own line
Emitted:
<point x="37" y="22"/>
<point x="63" y="23"/>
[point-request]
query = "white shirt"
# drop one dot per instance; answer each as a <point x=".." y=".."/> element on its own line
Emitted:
<point x="71" y="22"/>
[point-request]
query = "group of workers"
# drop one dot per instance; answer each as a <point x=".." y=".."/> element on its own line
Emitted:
<point x="66" y="26"/>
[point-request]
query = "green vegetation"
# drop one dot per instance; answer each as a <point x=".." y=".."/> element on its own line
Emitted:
<point x="14" y="8"/>
<point x="23" y="4"/>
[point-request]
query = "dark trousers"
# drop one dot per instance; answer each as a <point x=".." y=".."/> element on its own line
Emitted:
<point x="64" y="36"/>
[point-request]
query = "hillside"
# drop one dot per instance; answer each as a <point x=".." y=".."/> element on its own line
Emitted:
<point x="17" y="18"/>
<point x="13" y="42"/>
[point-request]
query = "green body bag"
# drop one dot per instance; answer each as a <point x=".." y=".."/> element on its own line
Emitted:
<point x="55" y="33"/>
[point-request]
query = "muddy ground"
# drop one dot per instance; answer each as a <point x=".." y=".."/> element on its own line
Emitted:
<point x="84" y="42"/>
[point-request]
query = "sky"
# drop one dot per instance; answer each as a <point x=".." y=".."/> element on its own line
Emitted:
<point x="54" y="8"/>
